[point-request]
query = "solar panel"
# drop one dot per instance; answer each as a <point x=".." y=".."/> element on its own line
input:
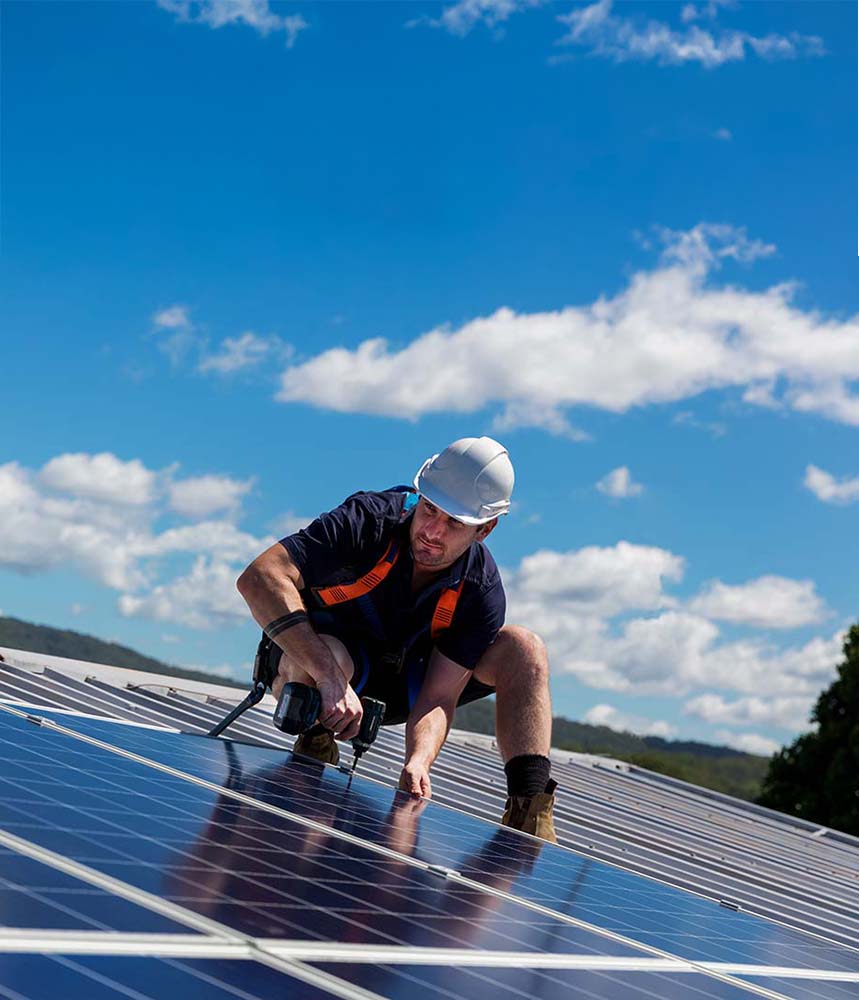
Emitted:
<point x="293" y="861"/>
<point x="810" y="989"/>
<point x="246" y="867"/>
<point x="36" y="896"/>
<point x="556" y="984"/>
<point x="34" y="977"/>
<point x="561" y="881"/>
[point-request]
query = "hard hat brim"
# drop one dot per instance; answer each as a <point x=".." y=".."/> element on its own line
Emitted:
<point x="448" y="505"/>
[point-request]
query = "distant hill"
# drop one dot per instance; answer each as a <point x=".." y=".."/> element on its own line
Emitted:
<point x="720" y="768"/>
<point x="17" y="634"/>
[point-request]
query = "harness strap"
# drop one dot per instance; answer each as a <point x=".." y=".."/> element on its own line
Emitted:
<point x="340" y="593"/>
<point x="443" y="614"/>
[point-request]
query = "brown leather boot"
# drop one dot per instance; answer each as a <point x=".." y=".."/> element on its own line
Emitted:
<point x="318" y="744"/>
<point x="533" y="814"/>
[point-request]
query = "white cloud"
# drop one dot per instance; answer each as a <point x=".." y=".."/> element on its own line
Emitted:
<point x="177" y="334"/>
<point x="100" y="477"/>
<point x="752" y="743"/>
<point x="172" y="318"/>
<point x="245" y="351"/>
<point x="685" y="418"/>
<point x="668" y="336"/>
<point x="201" y="496"/>
<point x="534" y="414"/>
<point x="580" y="603"/>
<point x="829" y="489"/>
<point x="619" y="484"/>
<point x="596" y="581"/>
<point x="768" y="602"/>
<point x="226" y="670"/>
<point x="205" y="599"/>
<point x="459" y="18"/>
<point x="620" y="38"/>
<point x="723" y="134"/>
<point x="255" y="14"/>
<point x="98" y="533"/>
<point x="789" y="713"/>
<point x="708" y="11"/>
<point x="613" y="718"/>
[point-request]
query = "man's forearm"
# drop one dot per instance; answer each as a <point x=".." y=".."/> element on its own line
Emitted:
<point x="426" y="731"/>
<point x="269" y="597"/>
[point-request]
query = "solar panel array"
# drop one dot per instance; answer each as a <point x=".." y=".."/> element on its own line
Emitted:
<point x="146" y="862"/>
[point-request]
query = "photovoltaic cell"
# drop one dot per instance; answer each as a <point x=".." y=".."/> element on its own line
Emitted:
<point x="34" y="896"/>
<point x="807" y="989"/>
<point x="563" y="881"/>
<point x="407" y="982"/>
<point x="250" y="869"/>
<point x="35" y="977"/>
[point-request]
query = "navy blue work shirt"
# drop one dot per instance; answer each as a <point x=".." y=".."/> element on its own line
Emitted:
<point x="347" y="542"/>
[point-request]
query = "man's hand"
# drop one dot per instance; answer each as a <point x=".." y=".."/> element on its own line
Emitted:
<point x="341" y="710"/>
<point x="415" y="779"/>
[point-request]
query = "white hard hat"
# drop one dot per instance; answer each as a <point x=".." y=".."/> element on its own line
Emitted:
<point x="471" y="480"/>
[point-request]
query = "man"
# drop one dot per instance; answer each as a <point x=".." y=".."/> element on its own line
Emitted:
<point x="393" y="595"/>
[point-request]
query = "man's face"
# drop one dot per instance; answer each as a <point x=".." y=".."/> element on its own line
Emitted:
<point x="438" y="540"/>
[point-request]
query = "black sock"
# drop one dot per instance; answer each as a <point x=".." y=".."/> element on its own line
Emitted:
<point x="527" y="774"/>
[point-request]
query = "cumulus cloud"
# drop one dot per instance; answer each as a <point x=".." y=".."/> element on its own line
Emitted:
<point x="594" y="580"/>
<point x="201" y="496"/>
<point x="172" y="318"/>
<point x="79" y="513"/>
<point x="668" y="336"/>
<point x="613" y="718"/>
<point x="789" y="713"/>
<point x="619" y="484"/>
<point x="255" y="14"/>
<point x="829" y="489"/>
<point x="602" y="32"/>
<point x="459" y="18"/>
<point x="761" y="746"/>
<point x="100" y="477"/>
<point x="248" y="350"/>
<point x="206" y="598"/>
<point x="768" y="602"/>
<point x="608" y="620"/>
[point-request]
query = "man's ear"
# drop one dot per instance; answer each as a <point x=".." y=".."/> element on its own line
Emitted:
<point x="486" y="529"/>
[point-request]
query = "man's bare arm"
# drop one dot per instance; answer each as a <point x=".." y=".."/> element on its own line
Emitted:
<point x="270" y="587"/>
<point x="430" y="720"/>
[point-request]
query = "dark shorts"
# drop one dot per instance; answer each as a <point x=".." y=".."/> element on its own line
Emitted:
<point x="373" y="677"/>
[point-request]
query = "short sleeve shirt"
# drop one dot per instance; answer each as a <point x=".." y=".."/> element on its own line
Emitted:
<point x="345" y="543"/>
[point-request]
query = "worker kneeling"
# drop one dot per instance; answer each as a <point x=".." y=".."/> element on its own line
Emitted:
<point x="393" y="596"/>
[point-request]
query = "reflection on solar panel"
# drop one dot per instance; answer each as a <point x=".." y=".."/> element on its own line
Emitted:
<point x="150" y="863"/>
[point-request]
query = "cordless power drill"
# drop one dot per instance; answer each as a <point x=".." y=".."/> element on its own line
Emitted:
<point x="298" y="709"/>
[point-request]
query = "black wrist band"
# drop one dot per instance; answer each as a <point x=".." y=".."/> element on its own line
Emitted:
<point x="287" y="621"/>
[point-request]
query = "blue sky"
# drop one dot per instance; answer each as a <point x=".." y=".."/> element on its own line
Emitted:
<point x="257" y="256"/>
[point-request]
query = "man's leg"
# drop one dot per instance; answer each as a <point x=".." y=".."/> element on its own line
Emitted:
<point x="517" y="666"/>
<point x="318" y="742"/>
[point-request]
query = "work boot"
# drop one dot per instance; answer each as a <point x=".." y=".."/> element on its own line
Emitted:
<point x="319" y="744"/>
<point x="532" y="814"/>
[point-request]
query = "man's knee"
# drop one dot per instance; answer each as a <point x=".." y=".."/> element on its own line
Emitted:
<point x="517" y="652"/>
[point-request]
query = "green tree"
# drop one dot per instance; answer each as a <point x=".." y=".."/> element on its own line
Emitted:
<point x="817" y="776"/>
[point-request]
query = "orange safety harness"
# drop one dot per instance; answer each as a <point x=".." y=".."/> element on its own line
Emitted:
<point x="340" y="593"/>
